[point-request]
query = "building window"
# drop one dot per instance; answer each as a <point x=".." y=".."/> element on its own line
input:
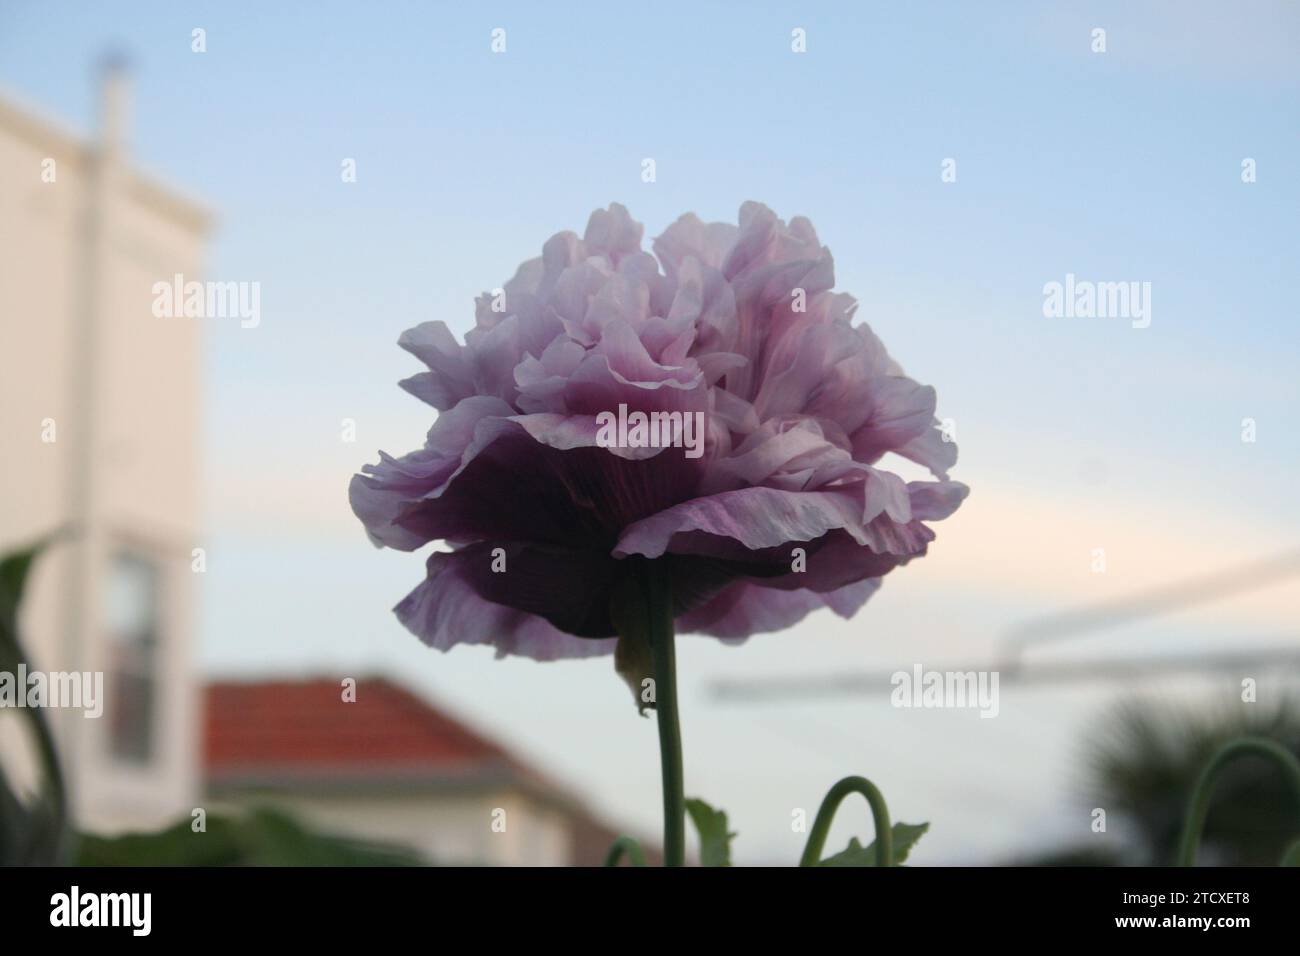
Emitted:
<point x="133" y="632"/>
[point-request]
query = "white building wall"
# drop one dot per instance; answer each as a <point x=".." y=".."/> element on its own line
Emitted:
<point x="135" y="434"/>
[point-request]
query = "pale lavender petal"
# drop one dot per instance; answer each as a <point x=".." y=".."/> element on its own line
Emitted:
<point x="754" y="517"/>
<point x="935" y="500"/>
<point x="745" y="608"/>
<point x="900" y="411"/>
<point x="690" y="238"/>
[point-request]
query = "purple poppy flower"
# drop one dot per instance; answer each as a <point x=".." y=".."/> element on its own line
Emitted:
<point x="711" y="406"/>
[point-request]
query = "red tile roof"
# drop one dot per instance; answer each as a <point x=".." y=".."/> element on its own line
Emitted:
<point x="306" y="725"/>
<point x="291" y="734"/>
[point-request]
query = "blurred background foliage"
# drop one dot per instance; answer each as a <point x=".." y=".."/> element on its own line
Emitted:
<point x="264" y="837"/>
<point x="1145" y="758"/>
<point x="1141" y="764"/>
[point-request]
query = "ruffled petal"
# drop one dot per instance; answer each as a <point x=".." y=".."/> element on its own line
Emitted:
<point x="754" y="518"/>
<point x="745" y="608"/>
<point x="445" y="610"/>
<point x="782" y="505"/>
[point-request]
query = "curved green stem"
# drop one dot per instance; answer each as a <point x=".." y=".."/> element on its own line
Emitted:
<point x="659" y="607"/>
<point x="812" y="853"/>
<point x="1199" y="804"/>
<point x="625" y="845"/>
<point x="55" y="789"/>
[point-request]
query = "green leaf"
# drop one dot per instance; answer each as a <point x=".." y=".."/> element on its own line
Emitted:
<point x="264" y="837"/>
<point x="13" y="579"/>
<point x="625" y="846"/>
<point x="272" y="838"/>
<point x="905" y="837"/>
<point x="177" y="845"/>
<point x="13" y="576"/>
<point x="711" y="824"/>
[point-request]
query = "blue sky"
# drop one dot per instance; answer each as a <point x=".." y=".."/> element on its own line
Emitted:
<point x="1075" y="433"/>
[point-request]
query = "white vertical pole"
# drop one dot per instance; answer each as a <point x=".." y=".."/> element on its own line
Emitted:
<point x="89" y="552"/>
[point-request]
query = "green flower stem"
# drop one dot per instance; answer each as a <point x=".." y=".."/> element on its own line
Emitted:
<point x="659" y="608"/>
<point x="625" y="845"/>
<point x="812" y="853"/>
<point x="1199" y="804"/>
